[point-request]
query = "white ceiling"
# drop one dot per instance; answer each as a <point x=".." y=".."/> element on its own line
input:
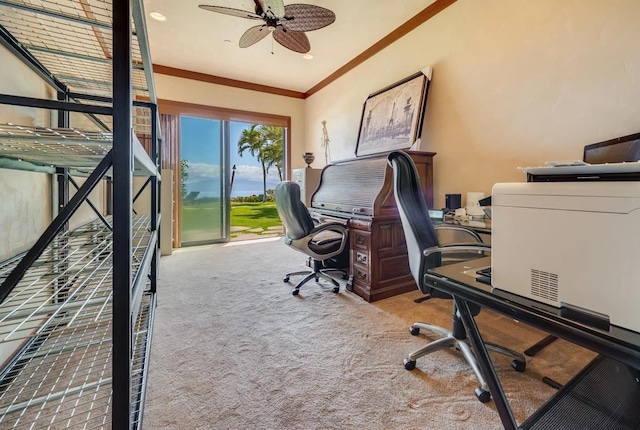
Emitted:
<point x="194" y="39"/>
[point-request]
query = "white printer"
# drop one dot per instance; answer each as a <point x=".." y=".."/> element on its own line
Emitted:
<point x="573" y="245"/>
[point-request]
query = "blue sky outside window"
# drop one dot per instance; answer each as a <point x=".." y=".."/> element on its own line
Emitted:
<point x="205" y="162"/>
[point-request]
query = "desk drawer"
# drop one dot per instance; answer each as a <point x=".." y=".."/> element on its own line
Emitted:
<point x="361" y="274"/>
<point x="361" y="258"/>
<point x="360" y="240"/>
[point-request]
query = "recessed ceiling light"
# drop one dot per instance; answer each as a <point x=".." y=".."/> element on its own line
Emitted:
<point x="307" y="56"/>
<point x="158" y="16"/>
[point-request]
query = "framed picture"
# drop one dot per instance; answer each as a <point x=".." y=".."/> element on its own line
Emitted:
<point x="392" y="117"/>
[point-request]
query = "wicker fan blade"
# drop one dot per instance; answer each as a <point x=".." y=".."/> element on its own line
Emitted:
<point x="230" y="11"/>
<point x="272" y="8"/>
<point x="253" y="35"/>
<point x="306" y="17"/>
<point x="294" y="40"/>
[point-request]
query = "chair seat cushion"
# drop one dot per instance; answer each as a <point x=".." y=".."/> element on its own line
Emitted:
<point x="325" y="242"/>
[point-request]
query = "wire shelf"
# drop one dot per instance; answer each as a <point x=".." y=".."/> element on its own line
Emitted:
<point x="68" y="147"/>
<point x="59" y="316"/>
<point x="53" y="147"/>
<point x="70" y="369"/>
<point x="73" y="40"/>
<point x="75" y="269"/>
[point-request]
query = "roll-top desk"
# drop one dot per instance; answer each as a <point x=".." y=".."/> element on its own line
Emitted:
<point x="359" y="192"/>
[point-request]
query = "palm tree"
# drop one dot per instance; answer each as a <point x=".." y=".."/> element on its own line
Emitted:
<point x="252" y="140"/>
<point x="264" y="142"/>
<point x="184" y="176"/>
<point x="274" y="150"/>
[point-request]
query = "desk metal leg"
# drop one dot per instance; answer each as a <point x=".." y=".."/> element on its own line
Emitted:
<point x="534" y="349"/>
<point x="484" y="361"/>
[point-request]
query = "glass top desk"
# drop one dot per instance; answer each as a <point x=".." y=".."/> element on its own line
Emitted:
<point x="617" y="344"/>
<point x="480" y="224"/>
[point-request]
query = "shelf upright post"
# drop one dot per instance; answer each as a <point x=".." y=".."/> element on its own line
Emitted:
<point x="122" y="207"/>
<point x="62" y="177"/>
<point x="63" y="172"/>
<point x="155" y="196"/>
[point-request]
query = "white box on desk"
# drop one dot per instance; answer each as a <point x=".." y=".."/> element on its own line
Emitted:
<point x="308" y="179"/>
<point x="570" y="244"/>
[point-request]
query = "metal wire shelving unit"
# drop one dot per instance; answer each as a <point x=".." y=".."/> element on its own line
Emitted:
<point x="62" y="309"/>
<point x="76" y="309"/>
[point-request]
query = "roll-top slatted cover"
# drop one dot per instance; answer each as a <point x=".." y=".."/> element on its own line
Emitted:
<point x="351" y="186"/>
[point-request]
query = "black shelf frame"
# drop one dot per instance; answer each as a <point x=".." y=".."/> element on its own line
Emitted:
<point x="133" y="291"/>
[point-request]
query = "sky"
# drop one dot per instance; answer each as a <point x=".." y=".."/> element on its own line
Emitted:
<point x="200" y="140"/>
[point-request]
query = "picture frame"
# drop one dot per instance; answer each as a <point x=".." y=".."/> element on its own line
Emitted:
<point x="392" y="117"/>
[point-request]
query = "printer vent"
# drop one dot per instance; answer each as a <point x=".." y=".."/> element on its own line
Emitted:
<point x="544" y="285"/>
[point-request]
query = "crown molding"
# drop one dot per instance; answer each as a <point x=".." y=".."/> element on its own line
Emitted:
<point x="420" y="18"/>
<point x="212" y="79"/>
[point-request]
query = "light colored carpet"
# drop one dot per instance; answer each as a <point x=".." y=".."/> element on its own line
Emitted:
<point x="233" y="349"/>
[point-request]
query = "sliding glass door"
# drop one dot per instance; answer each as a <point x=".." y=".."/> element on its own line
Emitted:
<point x="204" y="167"/>
<point x="198" y="146"/>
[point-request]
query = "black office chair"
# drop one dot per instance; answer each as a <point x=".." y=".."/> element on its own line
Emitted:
<point x="323" y="243"/>
<point x="425" y="251"/>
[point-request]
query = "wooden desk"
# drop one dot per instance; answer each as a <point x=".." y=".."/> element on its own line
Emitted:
<point x="619" y="344"/>
<point x="359" y="193"/>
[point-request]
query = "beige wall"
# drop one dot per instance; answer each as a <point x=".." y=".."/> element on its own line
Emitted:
<point x="25" y="210"/>
<point x="515" y="83"/>
<point x="27" y="197"/>
<point x="202" y="93"/>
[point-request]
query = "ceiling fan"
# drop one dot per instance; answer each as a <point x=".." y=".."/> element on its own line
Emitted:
<point x="286" y="23"/>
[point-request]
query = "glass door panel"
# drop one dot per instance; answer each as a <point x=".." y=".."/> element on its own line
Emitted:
<point x="202" y="187"/>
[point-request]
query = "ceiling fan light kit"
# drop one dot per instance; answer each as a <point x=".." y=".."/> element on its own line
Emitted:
<point x="287" y="23"/>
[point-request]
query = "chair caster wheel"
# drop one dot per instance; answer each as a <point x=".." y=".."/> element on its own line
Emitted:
<point x="414" y="330"/>
<point x="483" y="395"/>
<point x="409" y="364"/>
<point x="295" y="292"/>
<point x="519" y="365"/>
<point x="286" y="279"/>
<point x="336" y="289"/>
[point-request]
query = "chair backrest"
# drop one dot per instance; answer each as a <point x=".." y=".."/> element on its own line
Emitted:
<point x="414" y="214"/>
<point x="293" y="213"/>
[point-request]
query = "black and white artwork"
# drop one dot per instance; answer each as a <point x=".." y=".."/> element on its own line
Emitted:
<point x="392" y="117"/>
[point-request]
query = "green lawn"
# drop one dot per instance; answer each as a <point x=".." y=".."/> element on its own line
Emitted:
<point x="203" y="221"/>
<point x="254" y="215"/>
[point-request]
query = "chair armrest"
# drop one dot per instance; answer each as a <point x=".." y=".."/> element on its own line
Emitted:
<point x="316" y="221"/>
<point x="332" y="226"/>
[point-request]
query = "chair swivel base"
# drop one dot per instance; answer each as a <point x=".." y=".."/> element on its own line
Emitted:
<point x="447" y="340"/>
<point x="323" y="273"/>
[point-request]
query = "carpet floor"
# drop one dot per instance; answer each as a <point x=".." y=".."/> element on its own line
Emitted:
<point x="233" y="349"/>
